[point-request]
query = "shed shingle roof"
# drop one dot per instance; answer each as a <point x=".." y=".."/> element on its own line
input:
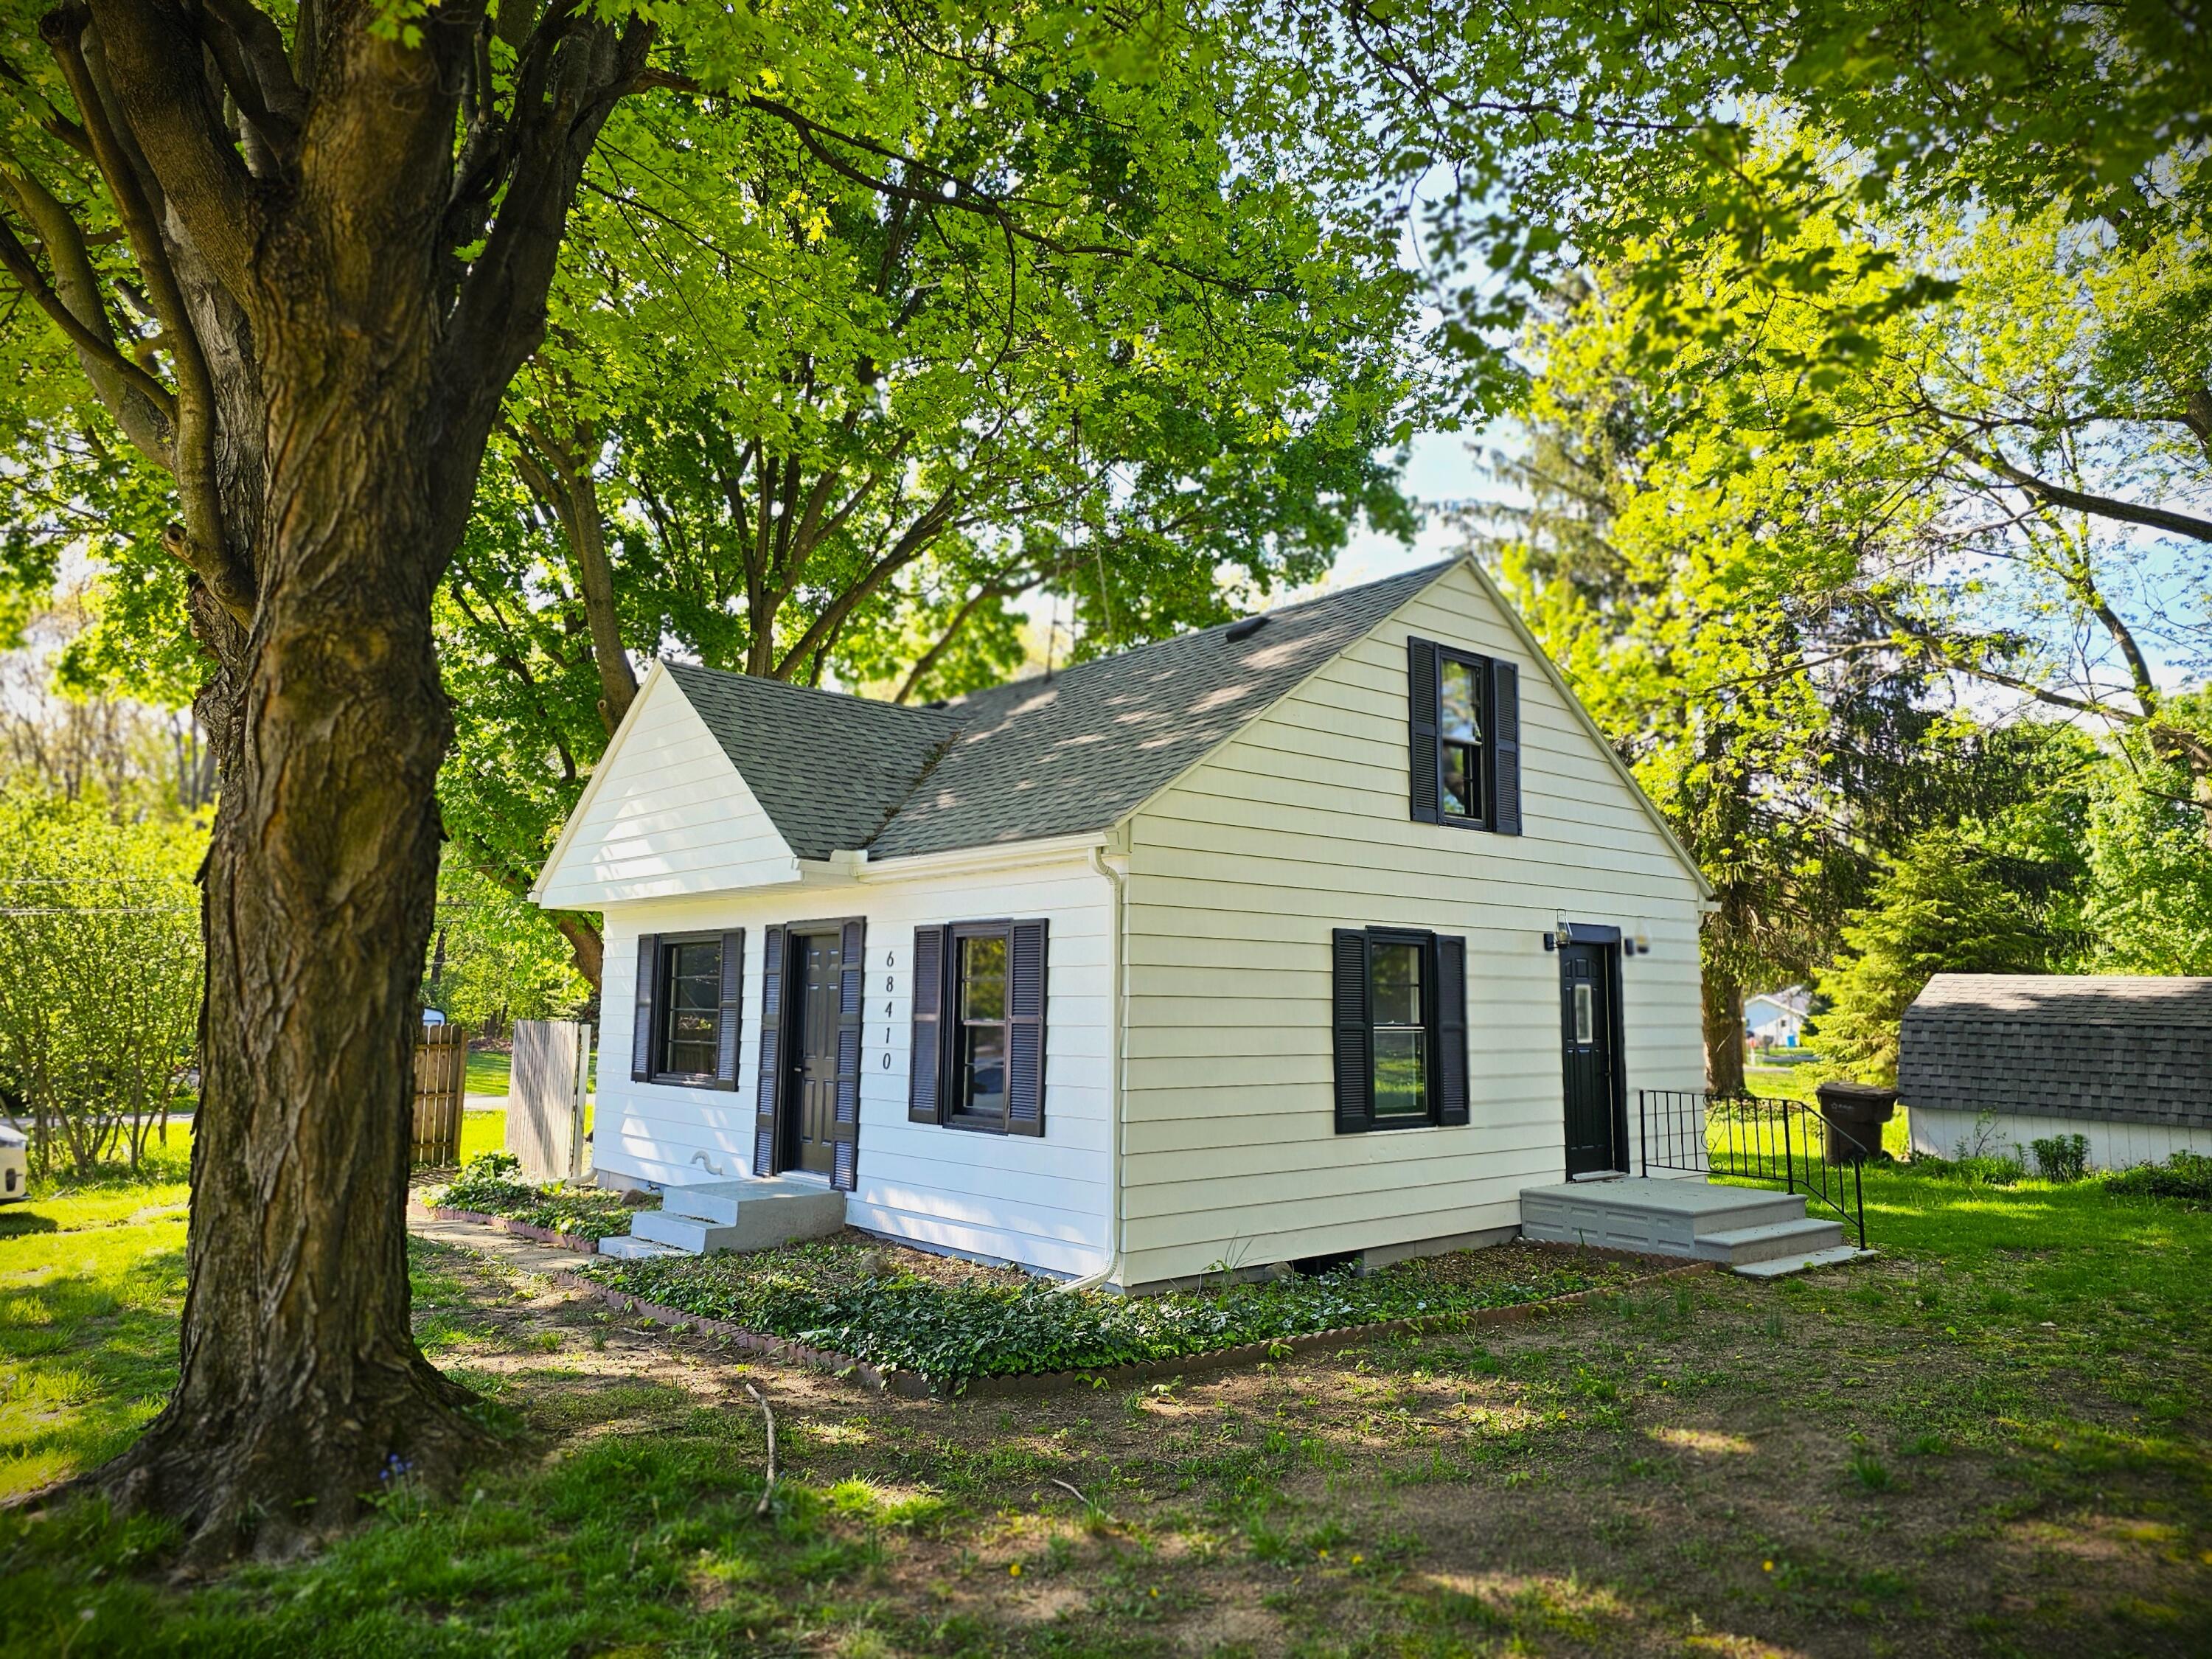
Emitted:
<point x="1067" y="755"/>
<point x="2117" y="1047"/>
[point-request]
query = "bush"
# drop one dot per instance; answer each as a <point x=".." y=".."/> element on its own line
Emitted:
<point x="830" y="1296"/>
<point x="491" y="1184"/>
<point x="2061" y="1158"/>
<point x="100" y="978"/>
<point x="2184" y="1175"/>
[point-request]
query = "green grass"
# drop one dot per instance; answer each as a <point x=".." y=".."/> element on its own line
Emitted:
<point x="1994" y="1439"/>
<point x="488" y="1071"/>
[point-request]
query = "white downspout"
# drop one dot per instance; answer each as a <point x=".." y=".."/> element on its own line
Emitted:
<point x="1118" y="970"/>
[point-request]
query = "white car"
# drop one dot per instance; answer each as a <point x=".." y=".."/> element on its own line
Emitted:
<point x="14" y="1166"/>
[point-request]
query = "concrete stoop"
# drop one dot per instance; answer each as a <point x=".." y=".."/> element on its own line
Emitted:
<point x="1741" y="1227"/>
<point x="731" y="1215"/>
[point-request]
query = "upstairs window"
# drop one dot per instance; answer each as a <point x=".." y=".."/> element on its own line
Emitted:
<point x="1463" y="717"/>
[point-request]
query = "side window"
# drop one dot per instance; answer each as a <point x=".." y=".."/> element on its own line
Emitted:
<point x="1400" y="1013"/>
<point x="979" y="1005"/>
<point x="686" y="1029"/>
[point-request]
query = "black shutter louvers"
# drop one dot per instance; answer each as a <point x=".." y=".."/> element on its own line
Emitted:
<point x="727" y="1024"/>
<point x="1423" y="754"/>
<point x="1026" y="946"/>
<point x="1355" y="1071"/>
<point x="844" y="1128"/>
<point x="771" y="1094"/>
<point x="641" y="1040"/>
<point x="924" y="1057"/>
<point x="1505" y="747"/>
<point x="1451" y="1030"/>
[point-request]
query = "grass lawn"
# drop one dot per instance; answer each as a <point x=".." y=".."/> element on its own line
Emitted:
<point x="1993" y="1440"/>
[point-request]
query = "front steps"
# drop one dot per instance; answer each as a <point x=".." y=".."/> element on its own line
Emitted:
<point x="1757" y="1232"/>
<point x="731" y="1215"/>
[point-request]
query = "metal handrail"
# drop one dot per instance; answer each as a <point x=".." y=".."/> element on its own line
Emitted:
<point x="1760" y="1138"/>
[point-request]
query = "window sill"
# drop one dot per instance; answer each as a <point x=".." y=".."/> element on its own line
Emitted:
<point x="706" y="1080"/>
<point x="1399" y="1128"/>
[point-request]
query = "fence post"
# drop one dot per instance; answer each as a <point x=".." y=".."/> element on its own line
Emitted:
<point x="1788" y="1158"/>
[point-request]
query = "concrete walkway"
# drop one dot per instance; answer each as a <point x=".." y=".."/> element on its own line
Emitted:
<point x="525" y="1254"/>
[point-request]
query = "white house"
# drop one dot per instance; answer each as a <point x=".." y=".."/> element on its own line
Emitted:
<point x="1777" y="1017"/>
<point x="1328" y="931"/>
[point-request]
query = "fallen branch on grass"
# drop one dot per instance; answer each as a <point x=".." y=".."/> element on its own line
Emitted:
<point x="769" y="1490"/>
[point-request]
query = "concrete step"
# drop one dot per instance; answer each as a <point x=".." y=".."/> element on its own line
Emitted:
<point x="634" y="1248"/>
<point x="740" y="1215"/>
<point x="1781" y="1265"/>
<point x="1739" y="1245"/>
<point x="1663" y="1217"/>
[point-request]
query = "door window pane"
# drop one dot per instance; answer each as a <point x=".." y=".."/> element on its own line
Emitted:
<point x="692" y="1011"/>
<point x="1401" y="1080"/>
<point x="1585" y="1015"/>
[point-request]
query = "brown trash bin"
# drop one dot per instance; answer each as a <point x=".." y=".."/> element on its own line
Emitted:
<point x="1854" y="1113"/>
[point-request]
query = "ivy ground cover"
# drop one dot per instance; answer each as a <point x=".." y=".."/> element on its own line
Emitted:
<point x="901" y="1311"/>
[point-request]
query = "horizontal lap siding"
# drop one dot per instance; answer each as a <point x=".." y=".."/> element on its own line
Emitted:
<point x="2113" y="1145"/>
<point x="1041" y="1202"/>
<point x="672" y="815"/>
<point x="1300" y="824"/>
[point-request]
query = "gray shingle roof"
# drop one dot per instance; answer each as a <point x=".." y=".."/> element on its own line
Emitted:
<point x="828" y="770"/>
<point x="2117" y="1047"/>
<point x="1031" y="759"/>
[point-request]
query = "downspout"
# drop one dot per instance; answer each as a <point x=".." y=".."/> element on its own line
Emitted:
<point x="1119" y="969"/>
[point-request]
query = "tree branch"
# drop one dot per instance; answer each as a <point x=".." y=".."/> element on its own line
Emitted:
<point x="2103" y="507"/>
<point x="114" y="376"/>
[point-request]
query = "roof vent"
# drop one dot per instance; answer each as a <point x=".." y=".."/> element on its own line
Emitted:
<point x="1245" y="629"/>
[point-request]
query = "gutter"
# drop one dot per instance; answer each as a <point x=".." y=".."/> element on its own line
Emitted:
<point x="1116" y="1065"/>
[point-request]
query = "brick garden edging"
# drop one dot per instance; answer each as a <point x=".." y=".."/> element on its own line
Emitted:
<point x="583" y="1244"/>
<point x="913" y="1386"/>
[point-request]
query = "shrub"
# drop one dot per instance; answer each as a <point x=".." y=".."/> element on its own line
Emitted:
<point x="2061" y="1158"/>
<point x="2184" y="1176"/>
<point x="491" y="1184"/>
<point x="100" y="978"/>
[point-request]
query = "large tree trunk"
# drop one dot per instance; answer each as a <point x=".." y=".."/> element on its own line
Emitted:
<point x="320" y="890"/>
<point x="1723" y="1021"/>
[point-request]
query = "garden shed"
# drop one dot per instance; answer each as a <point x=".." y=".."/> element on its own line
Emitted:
<point x="1989" y="1062"/>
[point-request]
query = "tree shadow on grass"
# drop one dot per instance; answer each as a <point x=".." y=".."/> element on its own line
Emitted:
<point x="88" y="1357"/>
<point x="19" y="1223"/>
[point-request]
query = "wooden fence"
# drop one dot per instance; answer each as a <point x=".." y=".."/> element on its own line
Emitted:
<point x="442" y="1083"/>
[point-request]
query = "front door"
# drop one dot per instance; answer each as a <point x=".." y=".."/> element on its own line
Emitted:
<point x="809" y="1097"/>
<point x="1586" y="1027"/>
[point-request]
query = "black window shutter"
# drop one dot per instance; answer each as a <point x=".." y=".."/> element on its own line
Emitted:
<point x="1355" y="1036"/>
<point x="1451" y="1029"/>
<point x="771" y="1052"/>
<point x="1426" y="763"/>
<point x="726" y="1027"/>
<point x="1505" y="747"/>
<point x="640" y="1039"/>
<point x="845" y="1129"/>
<point x="926" y="1057"/>
<point x="1026" y="994"/>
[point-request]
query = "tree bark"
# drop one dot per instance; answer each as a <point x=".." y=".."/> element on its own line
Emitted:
<point x="1723" y="1021"/>
<point x="585" y="947"/>
<point x="338" y="371"/>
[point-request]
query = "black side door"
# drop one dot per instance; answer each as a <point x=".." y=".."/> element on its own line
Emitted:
<point x="810" y="1095"/>
<point x="1586" y="1029"/>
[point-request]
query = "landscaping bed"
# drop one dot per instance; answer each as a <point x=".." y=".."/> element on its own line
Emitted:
<point x="575" y="1218"/>
<point x="958" y="1325"/>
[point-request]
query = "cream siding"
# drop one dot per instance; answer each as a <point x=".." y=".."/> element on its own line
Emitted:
<point x="666" y="815"/>
<point x="1237" y="873"/>
<point x="1041" y="1202"/>
<point x="1937" y="1132"/>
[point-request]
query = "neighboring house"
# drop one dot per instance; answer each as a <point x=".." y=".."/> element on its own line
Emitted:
<point x="1987" y="1062"/>
<point x="1241" y="947"/>
<point x="1777" y="1017"/>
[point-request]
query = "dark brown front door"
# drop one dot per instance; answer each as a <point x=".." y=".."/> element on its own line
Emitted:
<point x="1586" y="1032"/>
<point x="810" y="1098"/>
